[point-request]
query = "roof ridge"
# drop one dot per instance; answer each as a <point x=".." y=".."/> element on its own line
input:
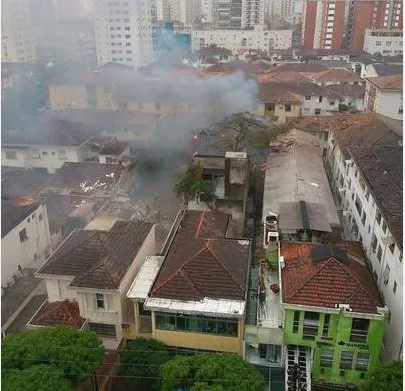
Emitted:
<point x="184" y="274"/>
<point x="309" y="279"/>
<point x="178" y="271"/>
<point x="226" y="270"/>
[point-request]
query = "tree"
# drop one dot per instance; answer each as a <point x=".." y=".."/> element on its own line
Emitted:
<point x="241" y="131"/>
<point x="140" y="360"/>
<point x="212" y="372"/>
<point x="36" y="378"/>
<point x="385" y="378"/>
<point x="193" y="185"/>
<point x="75" y="353"/>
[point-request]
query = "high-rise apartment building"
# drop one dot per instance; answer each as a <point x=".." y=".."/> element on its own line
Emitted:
<point x="184" y="11"/>
<point x="207" y="11"/>
<point x="332" y="24"/>
<point x="228" y="14"/>
<point x="123" y="32"/>
<point x="17" y="33"/>
<point x="252" y="13"/>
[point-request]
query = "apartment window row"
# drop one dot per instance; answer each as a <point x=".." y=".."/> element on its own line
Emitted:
<point x="197" y="324"/>
<point x="102" y="329"/>
<point x="358" y="334"/>
<point x="347" y="360"/>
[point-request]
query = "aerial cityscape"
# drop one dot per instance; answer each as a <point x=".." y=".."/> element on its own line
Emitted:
<point x="202" y="195"/>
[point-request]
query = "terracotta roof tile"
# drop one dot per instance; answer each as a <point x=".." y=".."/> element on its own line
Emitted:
<point x="327" y="282"/>
<point x="98" y="259"/>
<point x="382" y="169"/>
<point x="392" y="82"/>
<point x="202" y="262"/>
<point x="64" y="312"/>
<point x="336" y="75"/>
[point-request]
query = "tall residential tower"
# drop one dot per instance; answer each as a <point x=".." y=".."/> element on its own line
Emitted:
<point x="123" y="31"/>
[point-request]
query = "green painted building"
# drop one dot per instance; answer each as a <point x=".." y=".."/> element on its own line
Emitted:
<point x="334" y="314"/>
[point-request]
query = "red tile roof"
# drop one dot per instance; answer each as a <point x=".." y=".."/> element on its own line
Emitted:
<point x="299" y="67"/>
<point x="392" y="82"/>
<point x="330" y="281"/>
<point x="202" y="262"/>
<point x="98" y="259"/>
<point x="336" y="75"/>
<point x="64" y="312"/>
<point x="278" y="93"/>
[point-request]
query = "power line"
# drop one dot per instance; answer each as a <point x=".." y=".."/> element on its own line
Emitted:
<point x="148" y="377"/>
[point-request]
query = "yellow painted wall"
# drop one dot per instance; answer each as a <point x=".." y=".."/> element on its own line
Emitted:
<point x="61" y="97"/>
<point x="200" y="340"/>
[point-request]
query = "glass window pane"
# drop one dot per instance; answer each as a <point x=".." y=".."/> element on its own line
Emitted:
<point x="211" y="326"/>
<point x="180" y="323"/>
<point x="202" y="325"/>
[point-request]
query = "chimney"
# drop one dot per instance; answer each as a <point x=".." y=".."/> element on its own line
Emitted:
<point x="236" y="172"/>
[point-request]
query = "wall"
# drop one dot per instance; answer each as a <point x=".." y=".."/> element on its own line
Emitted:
<point x="63" y="96"/>
<point x="339" y="331"/>
<point x="388" y="103"/>
<point x="200" y="340"/>
<point x="383" y="43"/>
<point x="338" y="168"/>
<point x="20" y="157"/>
<point x="14" y="252"/>
<point x="279" y="111"/>
<point x="50" y="157"/>
<point x="232" y="39"/>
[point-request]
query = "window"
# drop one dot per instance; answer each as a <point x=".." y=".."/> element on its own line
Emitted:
<point x="392" y="247"/>
<point x="311" y="322"/>
<point x="331" y="102"/>
<point x="40" y="217"/>
<point x="62" y="154"/>
<point x="317" y="111"/>
<point x="374" y="243"/>
<point x="287" y="107"/>
<point x="388" y="43"/>
<point x="377" y="43"/>
<point x="362" y="361"/>
<point x="386" y="274"/>
<point x="35" y="153"/>
<point x="320" y="98"/>
<point x="379" y="253"/>
<point x="384" y="226"/>
<point x="363" y="218"/>
<point x="394" y="289"/>
<point x="23" y="235"/>
<point x="44" y="153"/>
<point x="128" y="36"/>
<point x="296" y="323"/>
<point x="378" y="217"/>
<point x="103" y="329"/>
<point x="327" y="358"/>
<point x="326" y="322"/>
<point x="269" y="107"/>
<point x="100" y="300"/>
<point x="359" y="206"/>
<point x="197" y="324"/>
<point x="359" y="330"/>
<point x="308" y="97"/>
<point x="346" y="360"/>
<point x="12" y="155"/>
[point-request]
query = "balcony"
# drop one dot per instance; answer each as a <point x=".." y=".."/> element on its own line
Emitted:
<point x="110" y="317"/>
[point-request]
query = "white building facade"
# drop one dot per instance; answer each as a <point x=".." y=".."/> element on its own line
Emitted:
<point x="258" y="39"/>
<point x="47" y="157"/>
<point x="385" y="42"/>
<point x="366" y="223"/>
<point x="252" y="13"/>
<point x="123" y="32"/>
<point x="17" y="33"/>
<point x="27" y="243"/>
<point x="385" y="98"/>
